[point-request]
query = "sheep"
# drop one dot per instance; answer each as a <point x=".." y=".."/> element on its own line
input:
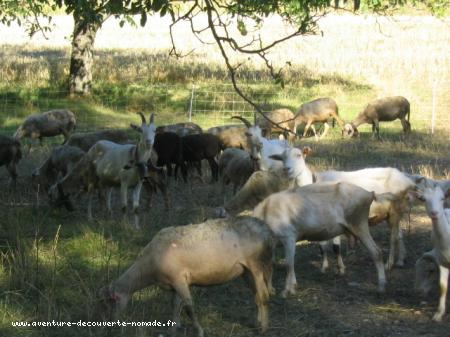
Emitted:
<point x="209" y="253"/>
<point x="169" y="147"/>
<point x="198" y="147"/>
<point x="181" y="129"/>
<point x="232" y="135"/>
<point x="319" y="212"/>
<point x="61" y="161"/>
<point x="319" y="110"/>
<point x="381" y="110"/>
<point x="262" y="148"/>
<point x="236" y="166"/>
<point x="378" y="180"/>
<point x="85" y="140"/>
<point x="48" y="124"/>
<point x="440" y="254"/>
<point x="10" y="155"/>
<point x="284" y="118"/>
<point x="108" y="164"/>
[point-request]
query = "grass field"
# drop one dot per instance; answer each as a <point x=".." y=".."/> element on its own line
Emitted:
<point x="52" y="262"/>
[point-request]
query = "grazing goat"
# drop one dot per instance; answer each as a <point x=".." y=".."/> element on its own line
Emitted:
<point x="85" y="140"/>
<point x="169" y="147"/>
<point x="230" y="136"/>
<point x="181" y="129"/>
<point x="109" y="164"/>
<point x="261" y="148"/>
<point x="213" y="252"/>
<point x="381" y="110"/>
<point x="440" y="236"/>
<point x="10" y="155"/>
<point x="318" y="111"/>
<point x="236" y="166"/>
<point x="198" y="147"/>
<point x="48" y="124"/>
<point x="284" y="118"/>
<point x="61" y="161"/>
<point x="379" y="180"/>
<point x="319" y="212"/>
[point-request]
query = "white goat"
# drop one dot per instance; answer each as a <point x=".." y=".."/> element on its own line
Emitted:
<point x="319" y="212"/>
<point x="236" y="166"/>
<point x="123" y="165"/>
<point x="378" y="180"/>
<point x="261" y="148"/>
<point x="440" y="236"/>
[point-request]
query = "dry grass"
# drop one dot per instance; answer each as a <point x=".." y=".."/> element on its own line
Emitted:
<point x="53" y="262"/>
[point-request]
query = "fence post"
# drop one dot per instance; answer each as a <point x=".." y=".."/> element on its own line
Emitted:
<point x="190" y="103"/>
<point x="433" y="108"/>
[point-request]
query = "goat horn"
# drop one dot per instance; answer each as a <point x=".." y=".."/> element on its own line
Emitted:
<point x="142" y="117"/>
<point x="246" y="122"/>
<point x="152" y="118"/>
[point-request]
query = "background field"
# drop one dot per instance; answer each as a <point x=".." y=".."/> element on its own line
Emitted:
<point x="53" y="262"/>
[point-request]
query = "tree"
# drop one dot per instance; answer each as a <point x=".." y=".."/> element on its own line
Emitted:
<point x="246" y="15"/>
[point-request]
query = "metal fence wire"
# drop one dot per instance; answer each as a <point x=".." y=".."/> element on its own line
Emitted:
<point x="207" y="105"/>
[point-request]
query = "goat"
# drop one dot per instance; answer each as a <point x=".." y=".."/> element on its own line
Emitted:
<point x="424" y="181"/>
<point x="10" y="155"/>
<point x="156" y="179"/>
<point x="440" y="236"/>
<point x="381" y="110"/>
<point x="261" y="148"/>
<point x="378" y="180"/>
<point x="230" y="136"/>
<point x="169" y="147"/>
<point x="85" y="140"/>
<point x="261" y="184"/>
<point x="213" y="252"/>
<point x="284" y="118"/>
<point x="198" y="147"/>
<point x="181" y="129"/>
<point x="48" y="124"/>
<point x="318" y="111"/>
<point x="236" y="166"/>
<point x="319" y="212"/>
<point x="109" y="164"/>
<point x="60" y="162"/>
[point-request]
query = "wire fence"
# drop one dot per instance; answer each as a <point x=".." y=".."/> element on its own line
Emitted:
<point x="206" y="105"/>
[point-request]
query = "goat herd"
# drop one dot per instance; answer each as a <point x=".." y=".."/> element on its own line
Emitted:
<point x="270" y="176"/>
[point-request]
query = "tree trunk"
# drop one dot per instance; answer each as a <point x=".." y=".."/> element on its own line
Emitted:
<point x="81" y="60"/>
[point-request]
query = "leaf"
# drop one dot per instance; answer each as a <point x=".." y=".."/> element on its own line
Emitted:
<point x="121" y="23"/>
<point x="143" y="18"/>
<point x="241" y="27"/>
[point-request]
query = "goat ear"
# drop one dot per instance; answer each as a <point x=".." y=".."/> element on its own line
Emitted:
<point x="447" y="194"/>
<point x="135" y="127"/>
<point x="278" y="157"/>
<point x="307" y="151"/>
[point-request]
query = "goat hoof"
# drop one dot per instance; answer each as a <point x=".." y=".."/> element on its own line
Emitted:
<point x="400" y="264"/>
<point x="437" y="317"/>
<point x="272" y="291"/>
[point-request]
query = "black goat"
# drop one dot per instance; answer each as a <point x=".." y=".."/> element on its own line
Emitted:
<point x="10" y="155"/>
<point x="195" y="148"/>
<point x="168" y="146"/>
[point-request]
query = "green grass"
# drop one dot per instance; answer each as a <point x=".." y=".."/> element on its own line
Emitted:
<point x="52" y="263"/>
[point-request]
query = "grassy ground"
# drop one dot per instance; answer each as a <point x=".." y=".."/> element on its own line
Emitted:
<point x="53" y="262"/>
